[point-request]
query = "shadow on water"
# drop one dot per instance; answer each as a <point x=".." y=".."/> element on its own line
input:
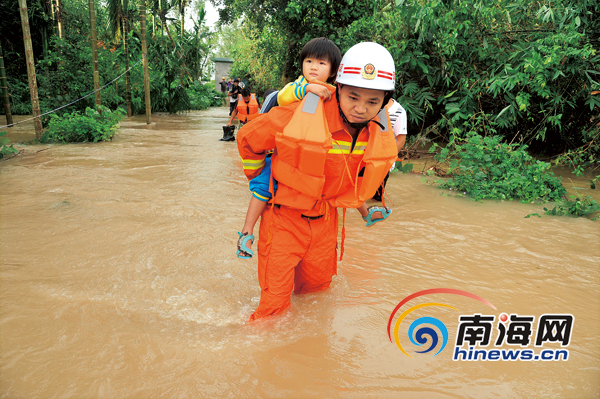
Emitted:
<point x="119" y="279"/>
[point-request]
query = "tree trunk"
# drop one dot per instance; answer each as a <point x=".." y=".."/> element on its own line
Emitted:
<point x="58" y="31"/>
<point x="53" y="11"/>
<point x="145" y="61"/>
<point x="59" y="24"/>
<point x="4" y="85"/>
<point x="153" y="26"/>
<point x="35" y="104"/>
<point x="182" y="18"/>
<point x="97" y="99"/>
<point x="182" y="76"/>
<point x="45" y="51"/>
<point x="127" y="76"/>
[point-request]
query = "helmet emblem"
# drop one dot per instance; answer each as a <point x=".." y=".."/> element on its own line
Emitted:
<point x="369" y="71"/>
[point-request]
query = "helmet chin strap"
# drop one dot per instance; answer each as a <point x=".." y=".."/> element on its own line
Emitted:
<point x="357" y="126"/>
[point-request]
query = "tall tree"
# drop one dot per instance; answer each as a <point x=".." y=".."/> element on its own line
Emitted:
<point x="127" y="74"/>
<point x="118" y="15"/>
<point x="145" y="60"/>
<point x="54" y="15"/>
<point x="92" y="10"/>
<point x="59" y="19"/>
<point x="182" y="5"/>
<point x="4" y="85"/>
<point x="162" y="8"/>
<point x="35" y="104"/>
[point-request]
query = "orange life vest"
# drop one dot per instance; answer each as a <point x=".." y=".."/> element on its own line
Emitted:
<point x="249" y="111"/>
<point x="301" y="151"/>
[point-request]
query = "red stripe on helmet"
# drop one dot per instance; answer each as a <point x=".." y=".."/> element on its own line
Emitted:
<point x="352" y="72"/>
<point x="385" y="76"/>
<point x="385" y="73"/>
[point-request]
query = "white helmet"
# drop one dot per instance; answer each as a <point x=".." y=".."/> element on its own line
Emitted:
<point x="368" y="65"/>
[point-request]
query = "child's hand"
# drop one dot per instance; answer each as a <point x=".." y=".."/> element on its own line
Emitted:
<point x="319" y="90"/>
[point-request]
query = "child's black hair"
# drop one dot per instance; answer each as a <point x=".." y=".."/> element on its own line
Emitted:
<point x="324" y="49"/>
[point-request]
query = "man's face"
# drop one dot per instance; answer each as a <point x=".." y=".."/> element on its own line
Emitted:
<point x="236" y="83"/>
<point x="358" y="104"/>
<point x="246" y="99"/>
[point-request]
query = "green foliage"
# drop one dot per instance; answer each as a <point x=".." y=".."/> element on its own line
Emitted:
<point x="487" y="168"/>
<point x="260" y="62"/>
<point x="5" y="148"/>
<point x="203" y="96"/>
<point x="576" y="207"/>
<point x="294" y="23"/>
<point x="64" y="69"/>
<point x="93" y="125"/>
<point x="406" y="168"/>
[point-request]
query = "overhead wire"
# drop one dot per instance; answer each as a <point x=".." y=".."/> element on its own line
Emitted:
<point x="79" y="99"/>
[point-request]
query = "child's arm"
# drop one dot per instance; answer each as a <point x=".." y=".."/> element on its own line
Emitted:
<point x="292" y="92"/>
<point x="255" y="209"/>
<point x="319" y="90"/>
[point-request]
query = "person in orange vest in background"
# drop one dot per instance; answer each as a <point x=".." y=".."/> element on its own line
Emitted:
<point x="327" y="155"/>
<point x="247" y="108"/>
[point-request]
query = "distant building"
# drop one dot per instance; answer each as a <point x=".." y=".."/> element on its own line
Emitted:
<point x="222" y="68"/>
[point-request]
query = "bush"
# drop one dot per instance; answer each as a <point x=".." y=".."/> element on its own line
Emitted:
<point x="576" y="207"/>
<point x="6" y="149"/>
<point x="486" y="168"/>
<point x="92" y="126"/>
<point x="204" y="96"/>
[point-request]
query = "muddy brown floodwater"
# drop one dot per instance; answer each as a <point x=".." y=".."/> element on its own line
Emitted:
<point x="119" y="280"/>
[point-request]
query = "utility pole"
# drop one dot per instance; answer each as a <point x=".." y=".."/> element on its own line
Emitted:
<point x="4" y="85"/>
<point x="98" y="101"/>
<point x="145" y="60"/>
<point x="35" y="103"/>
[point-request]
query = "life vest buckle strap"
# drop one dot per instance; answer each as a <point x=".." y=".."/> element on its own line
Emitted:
<point x="383" y="120"/>
<point x="311" y="101"/>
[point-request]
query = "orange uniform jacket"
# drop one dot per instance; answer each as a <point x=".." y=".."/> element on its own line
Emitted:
<point x="342" y="162"/>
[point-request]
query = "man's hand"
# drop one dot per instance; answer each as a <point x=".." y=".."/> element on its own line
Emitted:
<point x="319" y="90"/>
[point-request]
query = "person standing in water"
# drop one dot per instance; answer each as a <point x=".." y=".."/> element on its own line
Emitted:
<point x="320" y="149"/>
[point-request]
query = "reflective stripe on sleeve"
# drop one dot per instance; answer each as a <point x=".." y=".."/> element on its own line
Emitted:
<point x="252" y="164"/>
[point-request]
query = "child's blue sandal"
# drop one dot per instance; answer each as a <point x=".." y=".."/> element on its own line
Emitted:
<point x="243" y="246"/>
<point x="385" y="211"/>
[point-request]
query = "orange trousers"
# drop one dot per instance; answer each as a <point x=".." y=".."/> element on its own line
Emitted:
<point x="301" y="257"/>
